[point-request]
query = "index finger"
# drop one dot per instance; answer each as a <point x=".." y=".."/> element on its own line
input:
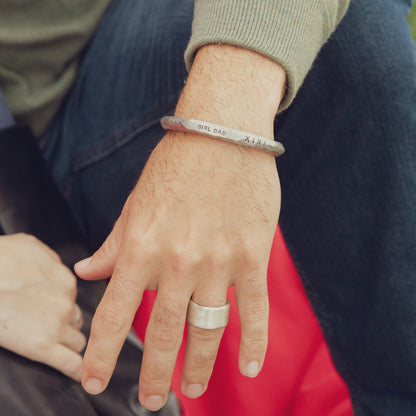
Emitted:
<point x="111" y="324"/>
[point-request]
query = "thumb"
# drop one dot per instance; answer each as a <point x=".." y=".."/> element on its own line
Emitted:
<point x="101" y="264"/>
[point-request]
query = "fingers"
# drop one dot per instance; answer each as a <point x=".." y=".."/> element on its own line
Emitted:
<point x="101" y="264"/>
<point x="162" y="341"/>
<point x="62" y="278"/>
<point x="253" y="307"/>
<point x="202" y="345"/>
<point x="112" y="322"/>
<point x="65" y="360"/>
<point x="73" y="339"/>
<point x="77" y="320"/>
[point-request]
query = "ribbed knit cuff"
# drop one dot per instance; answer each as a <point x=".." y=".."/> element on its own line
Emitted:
<point x="290" y="32"/>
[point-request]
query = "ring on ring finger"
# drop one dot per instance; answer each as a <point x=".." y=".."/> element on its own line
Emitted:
<point x="206" y="317"/>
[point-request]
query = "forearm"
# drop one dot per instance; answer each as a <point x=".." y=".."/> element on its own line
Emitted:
<point x="235" y="87"/>
<point x="290" y="32"/>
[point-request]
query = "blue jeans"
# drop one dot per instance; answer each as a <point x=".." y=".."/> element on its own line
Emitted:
<point x="348" y="176"/>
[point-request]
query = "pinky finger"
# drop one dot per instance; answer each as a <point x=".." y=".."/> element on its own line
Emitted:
<point x="253" y="307"/>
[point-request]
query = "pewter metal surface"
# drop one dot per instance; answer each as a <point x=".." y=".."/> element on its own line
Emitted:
<point x="222" y="133"/>
<point x="206" y="317"/>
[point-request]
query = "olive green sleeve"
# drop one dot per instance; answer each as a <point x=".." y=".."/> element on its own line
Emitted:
<point x="290" y="32"/>
<point x="40" y="45"/>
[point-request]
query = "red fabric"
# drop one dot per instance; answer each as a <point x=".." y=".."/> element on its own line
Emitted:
<point x="298" y="377"/>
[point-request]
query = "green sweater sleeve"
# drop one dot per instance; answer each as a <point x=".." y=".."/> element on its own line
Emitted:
<point x="290" y="32"/>
<point x="40" y="45"/>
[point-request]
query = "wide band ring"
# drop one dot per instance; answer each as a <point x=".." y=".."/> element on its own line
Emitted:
<point x="206" y="317"/>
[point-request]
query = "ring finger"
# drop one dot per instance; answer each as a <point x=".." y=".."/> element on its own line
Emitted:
<point x="203" y="340"/>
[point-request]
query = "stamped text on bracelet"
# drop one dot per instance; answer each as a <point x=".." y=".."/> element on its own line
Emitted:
<point x="223" y="133"/>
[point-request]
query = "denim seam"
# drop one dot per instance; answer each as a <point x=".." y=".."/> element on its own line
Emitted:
<point x="117" y="140"/>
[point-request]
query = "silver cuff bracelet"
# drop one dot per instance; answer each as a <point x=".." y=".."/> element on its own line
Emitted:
<point x="222" y="133"/>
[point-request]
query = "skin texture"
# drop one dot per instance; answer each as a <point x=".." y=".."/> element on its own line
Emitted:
<point x="200" y="219"/>
<point x="38" y="315"/>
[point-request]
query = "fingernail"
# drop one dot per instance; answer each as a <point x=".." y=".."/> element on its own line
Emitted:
<point x="93" y="386"/>
<point x="83" y="264"/>
<point x="194" y="390"/>
<point x="252" y="369"/>
<point x="153" y="402"/>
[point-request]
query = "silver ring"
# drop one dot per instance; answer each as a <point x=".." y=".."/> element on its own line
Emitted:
<point x="206" y="317"/>
<point x="77" y="319"/>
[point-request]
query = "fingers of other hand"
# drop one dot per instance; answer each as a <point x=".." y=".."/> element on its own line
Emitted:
<point x="202" y="344"/>
<point x="73" y="339"/>
<point x="77" y="320"/>
<point x="253" y="306"/>
<point x="163" y="338"/>
<point x="64" y="281"/>
<point x="52" y="340"/>
<point x="65" y="360"/>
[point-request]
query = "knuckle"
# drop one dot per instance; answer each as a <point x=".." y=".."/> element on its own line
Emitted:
<point x="204" y="335"/>
<point x="81" y="343"/>
<point x="72" y="367"/>
<point x="168" y="314"/>
<point x="251" y="262"/>
<point x="202" y="360"/>
<point x="98" y="363"/>
<point x="254" y="284"/>
<point x="164" y="339"/>
<point x="256" y="307"/>
<point x="256" y="345"/>
<point x="41" y="345"/>
<point x="122" y="288"/>
<point x="108" y="321"/>
<point x="66" y="307"/>
<point x="222" y="256"/>
<point x="254" y="340"/>
<point x="80" y="322"/>
<point x="257" y="336"/>
<point x="184" y="259"/>
<point x="167" y="324"/>
<point x="256" y="310"/>
<point x="154" y="384"/>
<point x="70" y="284"/>
<point x="250" y="255"/>
<point x="136" y="245"/>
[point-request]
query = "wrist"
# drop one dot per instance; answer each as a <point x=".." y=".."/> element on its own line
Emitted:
<point x="234" y="87"/>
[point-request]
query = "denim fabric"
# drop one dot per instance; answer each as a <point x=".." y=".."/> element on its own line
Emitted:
<point x="131" y="74"/>
<point x="348" y="176"/>
<point x="349" y="202"/>
<point x="6" y="118"/>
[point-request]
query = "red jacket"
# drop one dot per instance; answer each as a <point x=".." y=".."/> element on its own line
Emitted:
<point x="298" y="377"/>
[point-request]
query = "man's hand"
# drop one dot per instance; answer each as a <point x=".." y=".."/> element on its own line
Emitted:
<point x="38" y="315"/>
<point x="201" y="218"/>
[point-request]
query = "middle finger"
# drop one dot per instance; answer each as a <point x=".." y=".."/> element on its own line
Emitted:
<point x="163" y="338"/>
<point x="203" y="343"/>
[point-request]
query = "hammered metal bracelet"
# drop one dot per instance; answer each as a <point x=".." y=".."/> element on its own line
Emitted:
<point x="226" y="134"/>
